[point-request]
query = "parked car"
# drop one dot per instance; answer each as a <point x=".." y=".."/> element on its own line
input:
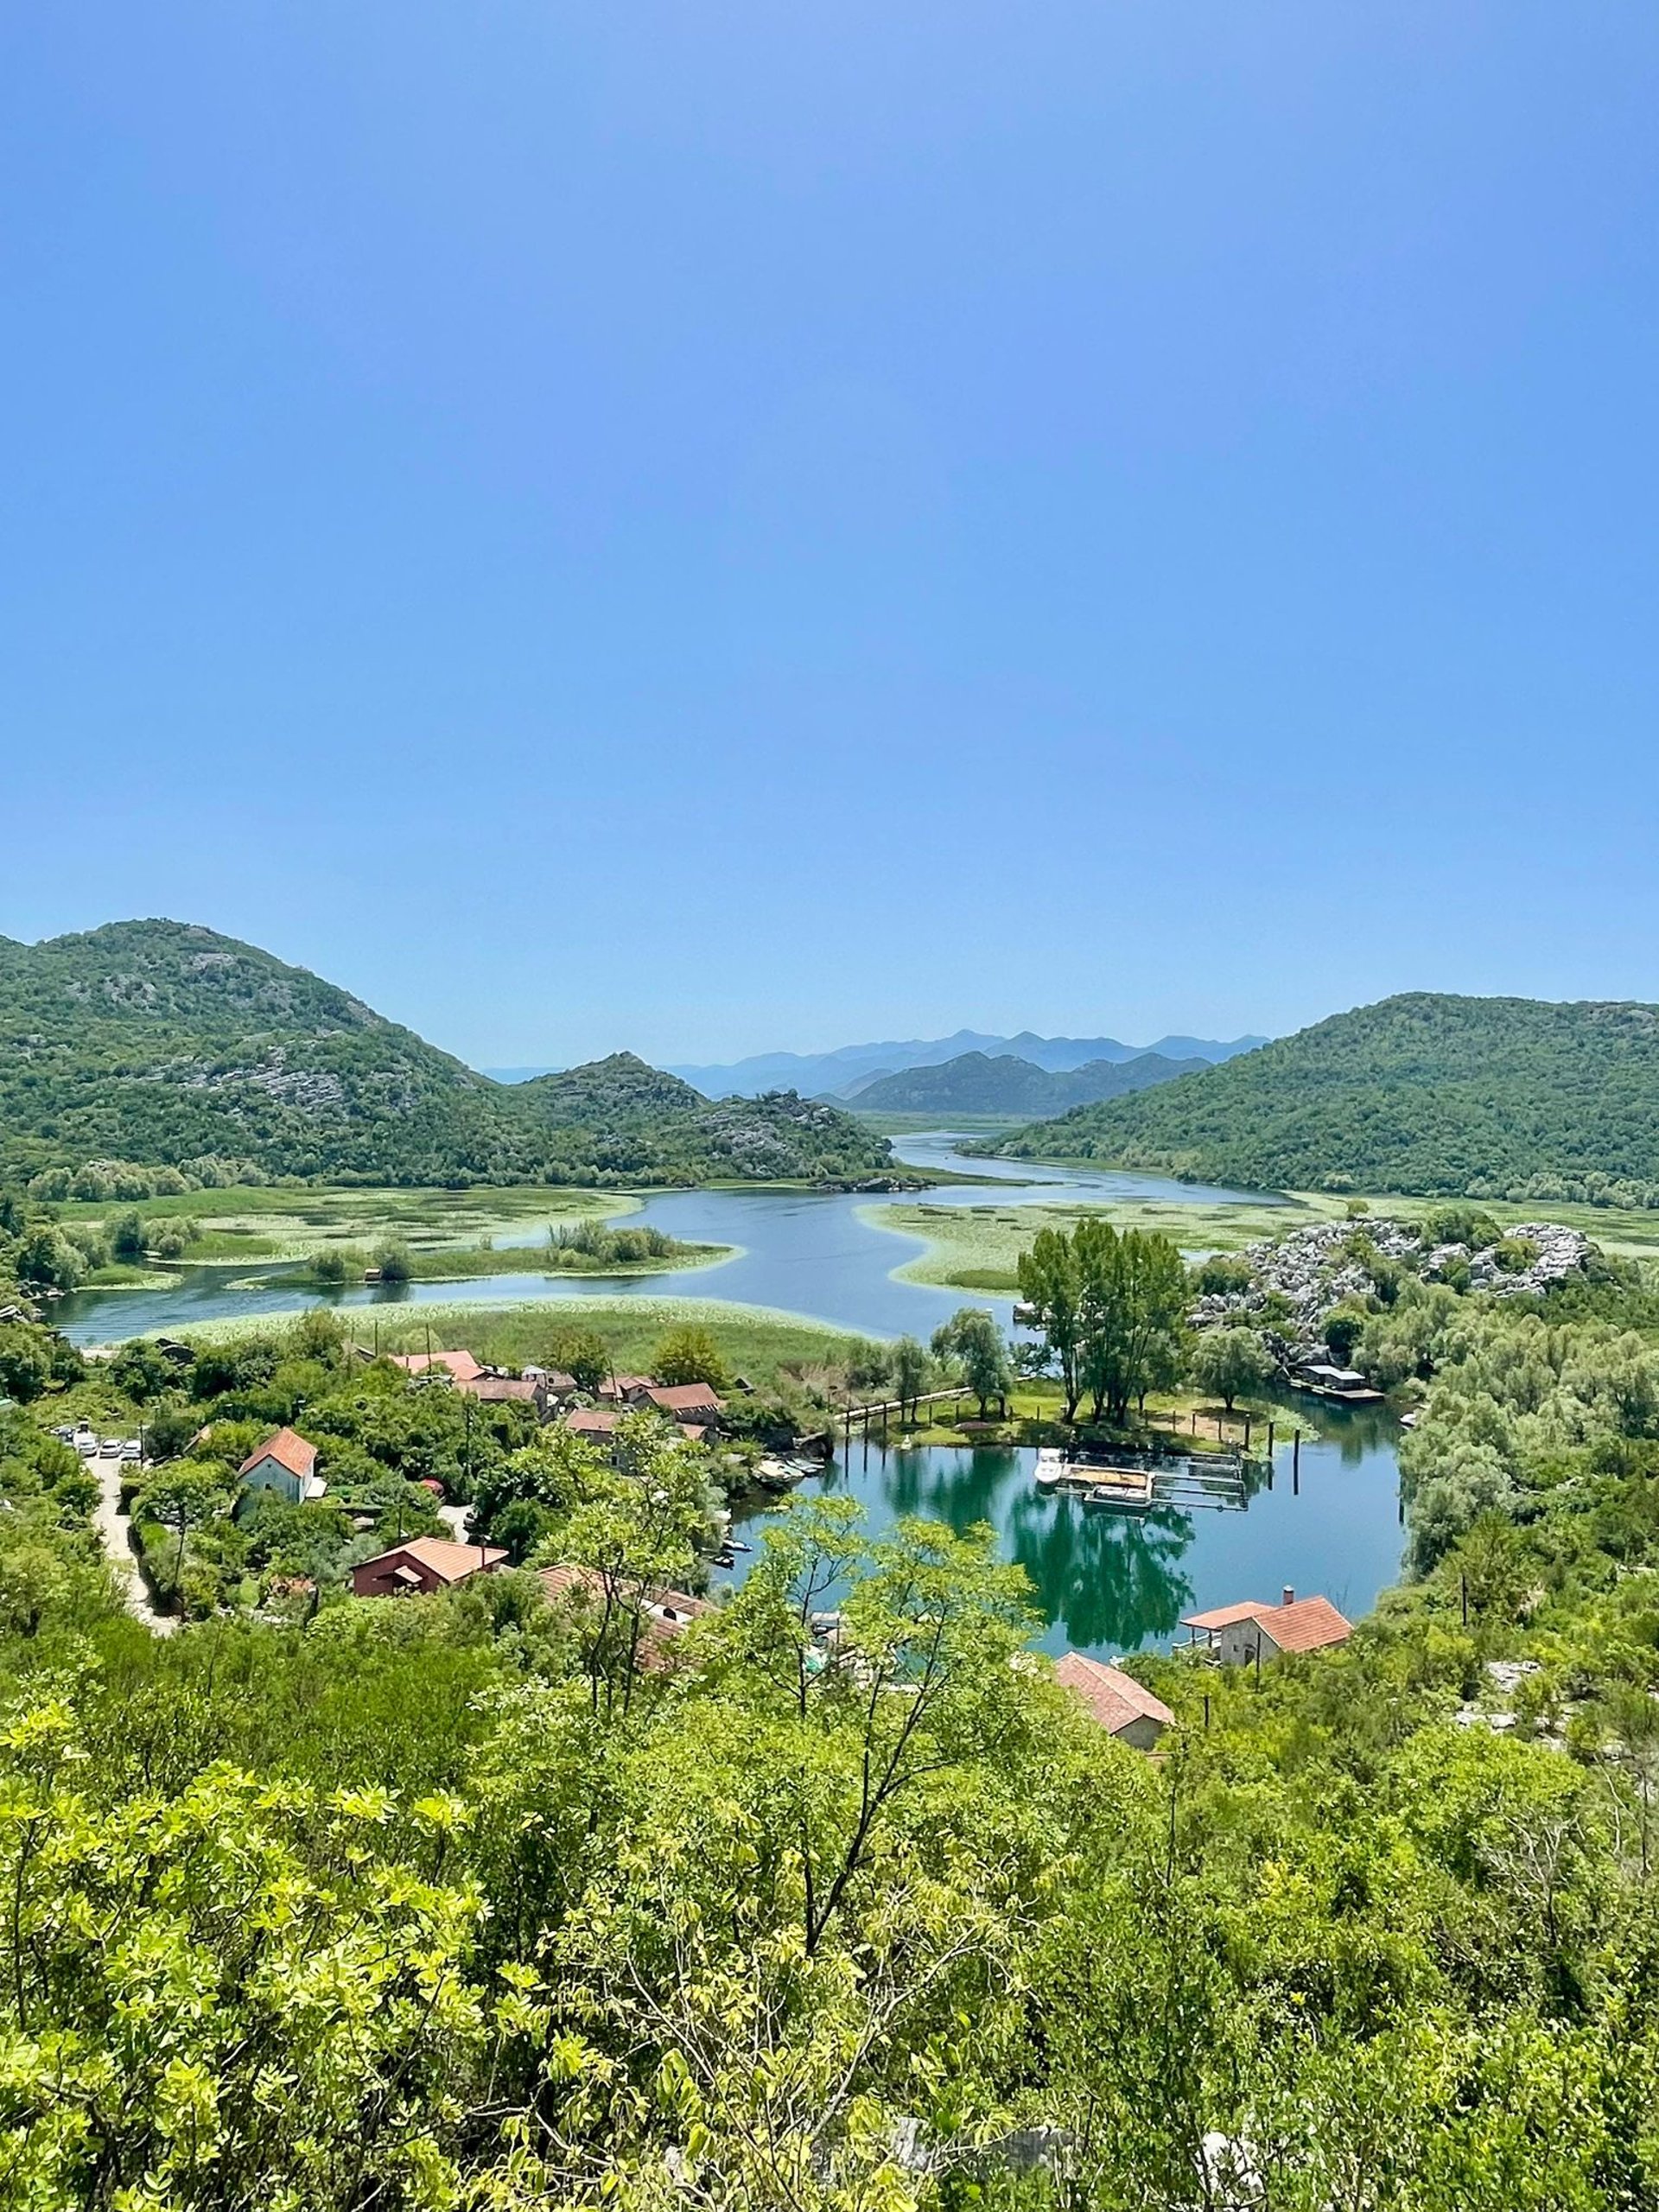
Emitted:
<point x="110" y="1448"/>
<point x="129" y="1450"/>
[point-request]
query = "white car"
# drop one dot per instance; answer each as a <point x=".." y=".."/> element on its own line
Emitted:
<point x="129" y="1450"/>
<point x="86" y="1446"/>
<point x="110" y="1448"/>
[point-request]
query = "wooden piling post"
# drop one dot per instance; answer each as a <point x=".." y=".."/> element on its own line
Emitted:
<point x="1296" y="1466"/>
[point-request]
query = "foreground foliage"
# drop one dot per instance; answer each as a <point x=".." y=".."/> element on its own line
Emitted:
<point x="831" y="1901"/>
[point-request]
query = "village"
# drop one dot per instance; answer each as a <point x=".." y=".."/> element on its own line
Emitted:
<point x="292" y="1468"/>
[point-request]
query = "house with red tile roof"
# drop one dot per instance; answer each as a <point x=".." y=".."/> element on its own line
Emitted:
<point x="683" y="1401"/>
<point x="503" y="1391"/>
<point x="591" y="1420"/>
<point x="459" y="1366"/>
<point x="1241" y="1635"/>
<point x="286" y="1465"/>
<point x="624" y="1390"/>
<point x="1123" y="1707"/>
<point x="580" y="1592"/>
<point x="422" y="1564"/>
<point x="599" y="1422"/>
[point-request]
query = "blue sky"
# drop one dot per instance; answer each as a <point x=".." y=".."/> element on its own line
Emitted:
<point x="718" y="528"/>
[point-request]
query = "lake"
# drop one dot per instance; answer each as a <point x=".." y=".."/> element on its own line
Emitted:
<point x="802" y="1252"/>
<point x="1104" y="1583"/>
<point x="1107" y="1583"/>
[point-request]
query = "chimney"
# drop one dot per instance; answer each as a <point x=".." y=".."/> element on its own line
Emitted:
<point x="1289" y="1598"/>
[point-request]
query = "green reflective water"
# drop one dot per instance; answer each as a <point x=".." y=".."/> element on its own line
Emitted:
<point x="1107" y="1583"/>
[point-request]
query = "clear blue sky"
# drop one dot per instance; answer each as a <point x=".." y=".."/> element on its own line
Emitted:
<point x="715" y="527"/>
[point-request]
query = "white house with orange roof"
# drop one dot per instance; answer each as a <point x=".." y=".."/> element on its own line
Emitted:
<point x="286" y="1465"/>
<point x="1243" y="1634"/>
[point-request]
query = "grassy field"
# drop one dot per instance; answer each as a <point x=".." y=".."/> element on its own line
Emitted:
<point x="1034" y="1412"/>
<point x="975" y="1248"/>
<point x="450" y="1263"/>
<point x="758" y="1342"/>
<point x="285" y="1223"/>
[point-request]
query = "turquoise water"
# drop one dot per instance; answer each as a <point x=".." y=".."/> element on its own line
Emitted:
<point x="804" y="1252"/>
<point x="1107" y="1583"/>
<point x="1104" y="1584"/>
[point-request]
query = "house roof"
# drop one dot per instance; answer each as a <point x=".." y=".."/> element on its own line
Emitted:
<point x="1308" y="1625"/>
<point x="1227" y="1616"/>
<point x="685" y="1398"/>
<point x="460" y="1366"/>
<point x="289" y="1449"/>
<point x="591" y="1421"/>
<point x="1113" y="1698"/>
<point x="619" y="1386"/>
<point x="667" y="1612"/>
<point x="451" y="1562"/>
<point x="499" y="1389"/>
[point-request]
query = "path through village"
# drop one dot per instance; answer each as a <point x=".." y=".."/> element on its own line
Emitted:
<point x="115" y="1529"/>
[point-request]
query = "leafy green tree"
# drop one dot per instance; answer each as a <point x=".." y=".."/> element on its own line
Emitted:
<point x="554" y="1475"/>
<point x="141" y="1369"/>
<point x="584" y="1354"/>
<point x="45" y="1260"/>
<point x="869" y="1368"/>
<point x="1223" y="1274"/>
<point x="393" y="1259"/>
<point x="690" y="1354"/>
<point x="152" y="1995"/>
<point x="1132" y="1305"/>
<point x="1343" y="1327"/>
<point x="974" y="1346"/>
<point x="917" y="1685"/>
<point x="170" y="1426"/>
<point x="641" y="1535"/>
<point x="182" y="1498"/>
<point x="1051" y="1284"/>
<point x="127" y="1237"/>
<point x="1229" y="1363"/>
<point x="910" y="1372"/>
<point x="25" y="1361"/>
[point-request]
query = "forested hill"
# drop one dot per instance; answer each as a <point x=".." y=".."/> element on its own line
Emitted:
<point x="979" y="1083"/>
<point x="1492" y="1098"/>
<point x="163" y="1044"/>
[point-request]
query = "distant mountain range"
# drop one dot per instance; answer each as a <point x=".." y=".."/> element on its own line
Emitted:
<point x="979" y="1083"/>
<point x="839" y="1074"/>
<point x="162" y="1045"/>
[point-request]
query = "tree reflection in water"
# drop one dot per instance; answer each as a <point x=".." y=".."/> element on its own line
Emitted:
<point x="1104" y="1579"/>
<point x="1110" y="1583"/>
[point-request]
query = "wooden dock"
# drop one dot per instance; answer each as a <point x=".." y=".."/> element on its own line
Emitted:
<point x="1135" y="1482"/>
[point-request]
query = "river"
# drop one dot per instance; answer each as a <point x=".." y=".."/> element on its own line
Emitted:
<point x="802" y="1252"/>
<point x="1104" y="1584"/>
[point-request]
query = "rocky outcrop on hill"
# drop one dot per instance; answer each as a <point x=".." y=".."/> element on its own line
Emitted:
<point x="1299" y="1281"/>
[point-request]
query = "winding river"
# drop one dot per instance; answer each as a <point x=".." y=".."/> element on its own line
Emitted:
<point x="1104" y="1584"/>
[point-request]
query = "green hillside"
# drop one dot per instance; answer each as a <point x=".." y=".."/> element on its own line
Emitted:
<point x="977" y="1083"/>
<point x="1511" y="1098"/>
<point x="166" y="1044"/>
